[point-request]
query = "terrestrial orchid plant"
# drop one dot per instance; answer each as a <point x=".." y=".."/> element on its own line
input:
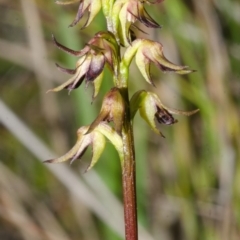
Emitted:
<point x="103" y="50"/>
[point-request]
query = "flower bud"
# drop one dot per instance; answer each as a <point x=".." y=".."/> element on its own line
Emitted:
<point x="112" y="110"/>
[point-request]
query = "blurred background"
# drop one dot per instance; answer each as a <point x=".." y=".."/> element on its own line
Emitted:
<point x="188" y="184"/>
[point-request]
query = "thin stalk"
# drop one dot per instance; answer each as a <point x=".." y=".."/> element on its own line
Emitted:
<point x="129" y="175"/>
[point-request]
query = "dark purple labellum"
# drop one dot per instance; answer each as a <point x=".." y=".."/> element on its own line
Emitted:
<point x="164" y="117"/>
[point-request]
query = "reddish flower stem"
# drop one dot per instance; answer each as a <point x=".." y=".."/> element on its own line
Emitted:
<point x="129" y="177"/>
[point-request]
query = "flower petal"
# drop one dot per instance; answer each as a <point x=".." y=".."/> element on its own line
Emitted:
<point x="93" y="9"/>
<point x="98" y="145"/>
<point x="143" y="64"/>
<point x="126" y="20"/>
<point x="147" y="111"/>
<point x="145" y="103"/>
<point x="81" y="9"/>
<point x="97" y="84"/>
<point x="136" y="102"/>
<point x="113" y="137"/>
<point x="85" y="142"/>
<point x="117" y="6"/>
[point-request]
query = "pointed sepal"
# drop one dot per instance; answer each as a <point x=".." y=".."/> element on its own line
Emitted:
<point x="91" y="7"/>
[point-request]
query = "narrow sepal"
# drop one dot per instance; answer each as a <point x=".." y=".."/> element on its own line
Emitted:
<point x="81" y="9"/>
<point x="94" y="8"/>
<point x="98" y="145"/>
<point x="136" y="102"/>
<point x="97" y="84"/>
<point x="143" y="65"/>
<point x="90" y="6"/>
<point x="125" y="23"/>
<point x="68" y="50"/>
<point x="66" y="70"/>
<point x="180" y="112"/>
